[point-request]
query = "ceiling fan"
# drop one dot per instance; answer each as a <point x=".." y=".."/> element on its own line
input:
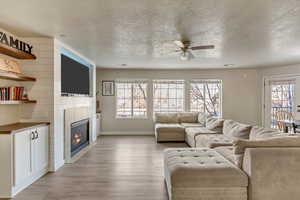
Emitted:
<point x="185" y="49"/>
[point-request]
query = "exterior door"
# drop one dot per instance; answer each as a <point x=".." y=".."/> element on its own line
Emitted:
<point x="280" y="100"/>
<point x="297" y="98"/>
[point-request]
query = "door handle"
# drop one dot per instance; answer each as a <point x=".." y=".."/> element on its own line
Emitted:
<point x="32" y="135"/>
<point x="36" y="135"/>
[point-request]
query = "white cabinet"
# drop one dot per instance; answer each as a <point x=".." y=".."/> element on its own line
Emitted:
<point x="22" y="156"/>
<point x="40" y="148"/>
<point x="30" y="156"/>
<point x="27" y="160"/>
<point x="297" y="98"/>
<point x="98" y="124"/>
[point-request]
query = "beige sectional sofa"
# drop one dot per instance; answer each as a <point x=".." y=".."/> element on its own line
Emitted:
<point x="197" y="130"/>
<point x="171" y="127"/>
<point x="240" y="162"/>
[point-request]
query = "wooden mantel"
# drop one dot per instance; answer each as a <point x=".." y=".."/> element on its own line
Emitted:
<point x="9" y="51"/>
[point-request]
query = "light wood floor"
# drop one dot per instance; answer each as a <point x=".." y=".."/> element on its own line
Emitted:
<point x="117" y="168"/>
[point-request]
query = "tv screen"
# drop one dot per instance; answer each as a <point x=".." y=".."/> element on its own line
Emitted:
<point x="75" y="77"/>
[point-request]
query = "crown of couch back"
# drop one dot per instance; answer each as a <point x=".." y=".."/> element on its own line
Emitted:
<point x="181" y="117"/>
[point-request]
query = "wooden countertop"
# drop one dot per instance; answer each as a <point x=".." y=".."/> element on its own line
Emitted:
<point x="10" y="128"/>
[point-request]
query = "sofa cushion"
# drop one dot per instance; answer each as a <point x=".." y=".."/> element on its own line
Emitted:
<point x="199" y="130"/>
<point x="187" y="125"/>
<point x="202" y="118"/>
<point x="192" y="132"/>
<point x="169" y="132"/>
<point x="166" y="118"/>
<point x="165" y="127"/>
<point x="283" y="140"/>
<point x="263" y="133"/>
<point x="228" y="153"/>
<point x="188" y="117"/>
<point x="236" y="130"/>
<point x="213" y="140"/>
<point x="214" y="124"/>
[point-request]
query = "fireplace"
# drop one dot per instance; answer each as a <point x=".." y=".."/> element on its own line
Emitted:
<point x="79" y="135"/>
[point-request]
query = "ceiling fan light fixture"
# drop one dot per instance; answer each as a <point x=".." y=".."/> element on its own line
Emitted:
<point x="184" y="56"/>
<point x="229" y="65"/>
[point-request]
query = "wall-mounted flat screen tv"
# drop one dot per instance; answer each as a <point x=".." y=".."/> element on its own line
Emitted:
<point x="75" y="77"/>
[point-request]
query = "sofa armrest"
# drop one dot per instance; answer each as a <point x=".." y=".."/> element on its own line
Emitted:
<point x="273" y="173"/>
<point x="281" y="142"/>
<point x="220" y="144"/>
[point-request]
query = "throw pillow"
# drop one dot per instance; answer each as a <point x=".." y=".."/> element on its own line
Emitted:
<point x="263" y="133"/>
<point x="202" y="118"/>
<point x="235" y="129"/>
<point x="166" y="118"/>
<point x="214" y="124"/>
<point x="188" y="117"/>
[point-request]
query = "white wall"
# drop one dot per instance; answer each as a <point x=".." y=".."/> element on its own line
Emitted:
<point x="239" y="95"/>
<point x="42" y="89"/>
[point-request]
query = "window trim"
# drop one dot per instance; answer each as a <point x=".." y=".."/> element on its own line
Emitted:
<point x="116" y="100"/>
<point x="169" y="80"/>
<point x="207" y="81"/>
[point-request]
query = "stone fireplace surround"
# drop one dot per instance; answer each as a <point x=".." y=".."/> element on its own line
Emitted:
<point x="72" y="115"/>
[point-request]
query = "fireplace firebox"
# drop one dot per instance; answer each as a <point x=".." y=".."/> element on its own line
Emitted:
<point x="79" y="135"/>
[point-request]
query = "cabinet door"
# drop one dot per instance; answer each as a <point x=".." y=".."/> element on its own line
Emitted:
<point x="41" y="147"/>
<point x="22" y="156"/>
<point x="297" y="98"/>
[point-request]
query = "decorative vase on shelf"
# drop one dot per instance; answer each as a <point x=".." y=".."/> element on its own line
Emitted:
<point x="25" y="95"/>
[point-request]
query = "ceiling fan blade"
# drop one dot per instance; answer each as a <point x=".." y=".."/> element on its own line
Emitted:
<point x="202" y="47"/>
<point x="179" y="43"/>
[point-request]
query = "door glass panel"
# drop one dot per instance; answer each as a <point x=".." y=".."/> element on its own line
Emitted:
<point x="282" y="102"/>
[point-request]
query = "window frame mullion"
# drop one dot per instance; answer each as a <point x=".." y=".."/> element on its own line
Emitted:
<point x="132" y="100"/>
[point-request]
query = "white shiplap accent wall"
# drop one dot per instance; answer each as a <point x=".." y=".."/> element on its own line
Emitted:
<point x="9" y="113"/>
<point x="41" y="90"/>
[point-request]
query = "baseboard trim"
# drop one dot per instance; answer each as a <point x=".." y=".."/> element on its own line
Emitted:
<point x="127" y="133"/>
<point x="57" y="165"/>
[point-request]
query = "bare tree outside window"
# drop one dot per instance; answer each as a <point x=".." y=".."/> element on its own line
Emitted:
<point x="205" y="97"/>
<point x="168" y="96"/>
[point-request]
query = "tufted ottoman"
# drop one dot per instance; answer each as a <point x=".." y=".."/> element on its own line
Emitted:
<point x="202" y="174"/>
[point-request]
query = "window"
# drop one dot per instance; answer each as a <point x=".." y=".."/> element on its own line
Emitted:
<point x="131" y="99"/>
<point x="205" y="97"/>
<point x="168" y="96"/>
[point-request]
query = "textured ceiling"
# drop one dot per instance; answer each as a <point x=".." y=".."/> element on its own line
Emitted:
<point x="247" y="33"/>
